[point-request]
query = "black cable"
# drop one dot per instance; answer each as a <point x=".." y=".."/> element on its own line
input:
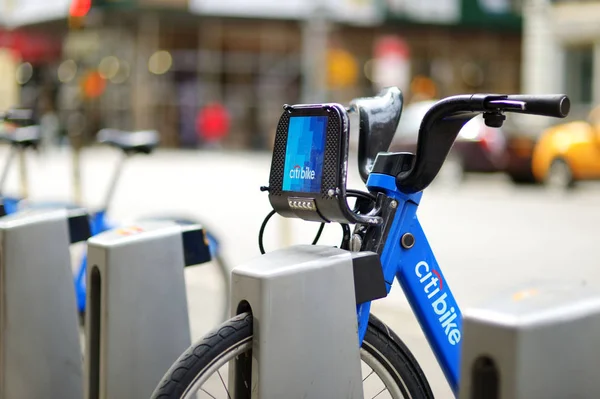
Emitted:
<point x="361" y="194"/>
<point x="365" y="201"/>
<point x="345" y="228"/>
<point x="318" y="234"/>
<point x="262" y="231"/>
<point x="346" y="238"/>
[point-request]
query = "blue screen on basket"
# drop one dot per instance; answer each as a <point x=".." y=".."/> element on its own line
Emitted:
<point x="304" y="155"/>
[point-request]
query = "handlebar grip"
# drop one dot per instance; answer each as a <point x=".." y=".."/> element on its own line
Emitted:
<point x="553" y="105"/>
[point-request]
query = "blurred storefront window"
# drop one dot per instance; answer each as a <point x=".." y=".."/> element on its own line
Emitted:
<point x="561" y="42"/>
<point x="137" y="64"/>
<point x="579" y="71"/>
<point x="461" y="45"/>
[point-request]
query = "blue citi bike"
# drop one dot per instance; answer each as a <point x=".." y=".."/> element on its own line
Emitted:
<point x="23" y="135"/>
<point x="385" y="222"/>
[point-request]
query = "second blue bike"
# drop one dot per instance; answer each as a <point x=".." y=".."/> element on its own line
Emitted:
<point x="24" y="135"/>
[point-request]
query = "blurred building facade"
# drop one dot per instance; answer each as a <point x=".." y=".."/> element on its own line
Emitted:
<point x="154" y="63"/>
<point x="24" y="54"/>
<point x="561" y="50"/>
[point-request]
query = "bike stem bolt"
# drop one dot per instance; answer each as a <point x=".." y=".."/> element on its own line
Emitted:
<point x="393" y="204"/>
<point x="407" y="241"/>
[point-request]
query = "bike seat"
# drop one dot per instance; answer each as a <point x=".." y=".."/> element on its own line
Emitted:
<point x="18" y="116"/>
<point x="379" y="117"/>
<point x="141" y="141"/>
<point x="22" y="136"/>
<point x="50" y="205"/>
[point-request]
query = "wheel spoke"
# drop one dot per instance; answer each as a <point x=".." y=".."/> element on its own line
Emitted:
<point x="224" y="385"/>
<point x="370" y="374"/>
<point x="380" y="392"/>
<point x="208" y="393"/>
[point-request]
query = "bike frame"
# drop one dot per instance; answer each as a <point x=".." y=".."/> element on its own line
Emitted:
<point x="421" y="279"/>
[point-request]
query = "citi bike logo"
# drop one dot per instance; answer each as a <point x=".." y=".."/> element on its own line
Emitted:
<point x="430" y="280"/>
<point x="298" y="173"/>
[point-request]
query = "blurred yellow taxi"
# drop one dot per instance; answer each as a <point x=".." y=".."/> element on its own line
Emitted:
<point x="567" y="153"/>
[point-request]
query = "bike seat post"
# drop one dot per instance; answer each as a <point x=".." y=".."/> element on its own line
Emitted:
<point x="6" y="169"/>
<point x="115" y="180"/>
<point x="23" y="176"/>
<point x="76" y="169"/>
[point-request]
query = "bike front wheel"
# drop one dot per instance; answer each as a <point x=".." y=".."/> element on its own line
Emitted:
<point x="201" y="372"/>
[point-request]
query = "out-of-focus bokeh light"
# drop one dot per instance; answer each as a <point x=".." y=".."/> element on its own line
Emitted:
<point x="423" y="86"/>
<point x="368" y="69"/>
<point x="24" y="73"/>
<point x="562" y="140"/>
<point x="470" y="130"/>
<point x="93" y="84"/>
<point x="472" y="74"/>
<point x="160" y="62"/>
<point x="67" y="71"/>
<point x="594" y="115"/>
<point x="342" y="69"/>
<point x="109" y="67"/>
<point x="122" y="73"/>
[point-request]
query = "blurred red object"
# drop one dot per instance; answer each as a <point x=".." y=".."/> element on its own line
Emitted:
<point x="391" y="62"/>
<point x="31" y="47"/>
<point x="391" y="45"/>
<point x="212" y="122"/>
<point x="80" y="8"/>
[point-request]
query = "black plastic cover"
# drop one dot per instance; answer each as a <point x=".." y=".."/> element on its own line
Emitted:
<point x="369" y="283"/>
<point x="79" y="225"/>
<point x="393" y="163"/>
<point x="195" y="245"/>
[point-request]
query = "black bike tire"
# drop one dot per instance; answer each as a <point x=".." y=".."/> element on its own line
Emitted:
<point x="380" y="342"/>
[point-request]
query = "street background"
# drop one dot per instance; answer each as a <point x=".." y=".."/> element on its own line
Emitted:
<point x="489" y="236"/>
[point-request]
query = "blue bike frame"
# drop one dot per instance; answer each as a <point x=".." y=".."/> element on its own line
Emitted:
<point x="98" y="224"/>
<point x="421" y="279"/>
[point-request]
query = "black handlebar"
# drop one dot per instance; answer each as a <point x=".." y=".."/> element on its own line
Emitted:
<point x="444" y="120"/>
